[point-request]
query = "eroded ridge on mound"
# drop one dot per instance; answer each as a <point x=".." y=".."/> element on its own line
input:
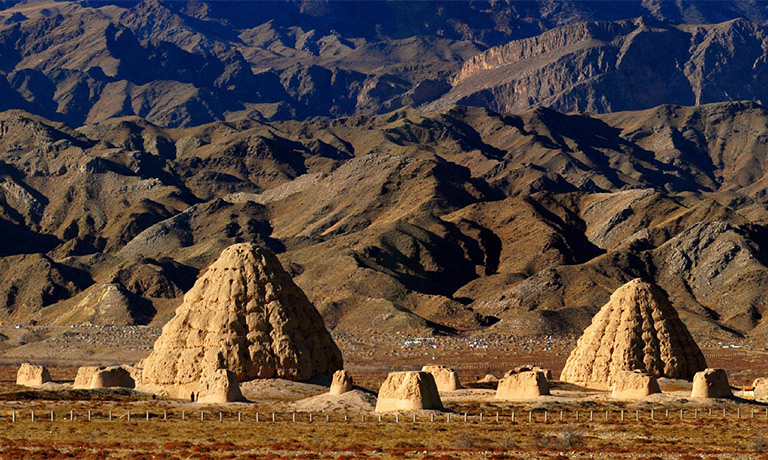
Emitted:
<point x="638" y="329"/>
<point x="245" y="314"/>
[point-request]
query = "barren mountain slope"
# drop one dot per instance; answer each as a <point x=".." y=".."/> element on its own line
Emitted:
<point x="185" y="63"/>
<point x="410" y="221"/>
<point x="613" y="66"/>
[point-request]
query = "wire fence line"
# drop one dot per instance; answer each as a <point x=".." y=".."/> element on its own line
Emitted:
<point x="506" y="365"/>
<point x="514" y="416"/>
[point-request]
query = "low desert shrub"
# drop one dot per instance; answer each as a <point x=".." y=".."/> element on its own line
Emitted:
<point x="759" y="442"/>
<point x="571" y="438"/>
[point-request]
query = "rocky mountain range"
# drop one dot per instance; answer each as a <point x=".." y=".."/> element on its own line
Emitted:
<point x="614" y="66"/>
<point x="410" y="222"/>
<point x="418" y="167"/>
<point x="186" y="63"/>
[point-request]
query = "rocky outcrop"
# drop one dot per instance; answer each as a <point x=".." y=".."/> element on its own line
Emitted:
<point x="594" y="67"/>
<point x="523" y="385"/>
<point x="407" y="391"/>
<point x="32" y="375"/>
<point x="711" y="383"/>
<point x="245" y="315"/>
<point x="638" y="329"/>
<point x="446" y="378"/>
<point x="341" y="383"/>
<point x="630" y="385"/>
<point x="519" y="50"/>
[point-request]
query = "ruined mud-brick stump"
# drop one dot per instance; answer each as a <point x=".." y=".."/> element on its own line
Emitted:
<point x="408" y="391"/>
<point x="711" y="383"/>
<point x="523" y="385"/>
<point x="341" y="383"/>
<point x="631" y="385"/>
<point x="32" y="375"/>
<point x="446" y="378"/>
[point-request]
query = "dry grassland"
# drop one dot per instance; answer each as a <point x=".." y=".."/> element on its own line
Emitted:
<point x="705" y="438"/>
<point x="139" y="439"/>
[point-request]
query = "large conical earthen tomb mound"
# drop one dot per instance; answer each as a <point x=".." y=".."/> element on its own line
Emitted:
<point x="246" y="315"/>
<point x="638" y="329"/>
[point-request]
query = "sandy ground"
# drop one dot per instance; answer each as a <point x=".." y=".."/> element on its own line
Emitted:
<point x="279" y="390"/>
<point x="704" y="432"/>
<point x="355" y="401"/>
